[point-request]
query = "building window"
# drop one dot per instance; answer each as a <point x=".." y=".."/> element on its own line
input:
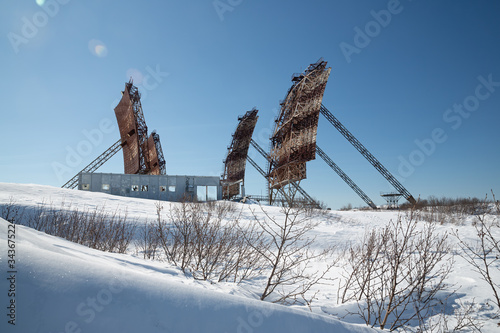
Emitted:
<point x="144" y="188"/>
<point x="163" y="188"/>
<point x="206" y="193"/>
<point x="171" y="188"/>
<point x="135" y="188"/>
<point x="85" y="186"/>
<point x="105" y="187"/>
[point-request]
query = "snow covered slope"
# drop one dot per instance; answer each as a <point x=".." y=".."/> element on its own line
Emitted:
<point x="64" y="287"/>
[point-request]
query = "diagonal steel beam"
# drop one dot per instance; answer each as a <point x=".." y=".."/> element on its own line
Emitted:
<point x="355" y="142"/>
<point x="95" y="164"/>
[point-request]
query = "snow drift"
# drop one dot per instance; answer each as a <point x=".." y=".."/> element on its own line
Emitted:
<point x="65" y="287"/>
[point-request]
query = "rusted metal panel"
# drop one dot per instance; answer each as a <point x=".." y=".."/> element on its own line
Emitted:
<point x="141" y="154"/>
<point x="152" y="163"/>
<point x="128" y="132"/>
<point x="140" y="123"/>
<point x="293" y="142"/>
<point x="230" y="191"/>
<point x="234" y="165"/>
<point x="162" y="164"/>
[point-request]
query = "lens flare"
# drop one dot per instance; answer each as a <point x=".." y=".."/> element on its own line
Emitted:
<point x="101" y="50"/>
<point x="98" y="48"/>
<point x="40" y="2"/>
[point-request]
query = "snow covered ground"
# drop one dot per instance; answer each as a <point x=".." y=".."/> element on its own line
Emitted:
<point x="65" y="287"/>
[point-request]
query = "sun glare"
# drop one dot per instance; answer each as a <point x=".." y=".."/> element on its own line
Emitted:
<point x="98" y="48"/>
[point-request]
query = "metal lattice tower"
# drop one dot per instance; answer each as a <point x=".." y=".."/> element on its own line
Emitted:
<point x="282" y="200"/>
<point x="95" y="164"/>
<point x="159" y="151"/>
<point x="335" y="168"/>
<point x="355" y="142"/>
<point x="293" y="141"/>
<point x="392" y="199"/>
<point x="142" y="129"/>
<point x="235" y="162"/>
<point x="141" y="154"/>
<point x="261" y="171"/>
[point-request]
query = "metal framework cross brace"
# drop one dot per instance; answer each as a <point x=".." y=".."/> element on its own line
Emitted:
<point x="355" y="142"/>
<point x="95" y="164"/>
<point x="259" y="169"/>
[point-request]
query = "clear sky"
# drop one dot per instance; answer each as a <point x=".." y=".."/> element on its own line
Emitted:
<point x="417" y="82"/>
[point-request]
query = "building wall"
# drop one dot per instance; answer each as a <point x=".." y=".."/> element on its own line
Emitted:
<point x="157" y="187"/>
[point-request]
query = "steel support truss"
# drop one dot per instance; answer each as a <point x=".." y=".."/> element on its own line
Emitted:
<point x="95" y="164"/>
<point x="159" y="151"/>
<point x="110" y="152"/>
<point x="332" y="165"/>
<point x="345" y="178"/>
<point x="392" y="199"/>
<point x="142" y="129"/>
<point x="296" y="186"/>
<point x="355" y="142"/>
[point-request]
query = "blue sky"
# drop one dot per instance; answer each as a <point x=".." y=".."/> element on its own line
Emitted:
<point x="417" y="82"/>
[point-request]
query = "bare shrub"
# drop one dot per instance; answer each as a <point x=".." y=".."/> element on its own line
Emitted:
<point x="95" y="228"/>
<point x="288" y="255"/>
<point x="205" y="240"/>
<point x="448" y="210"/>
<point x="462" y="319"/>
<point x="346" y="207"/>
<point x="321" y="204"/>
<point x="484" y="253"/>
<point x="496" y="203"/>
<point x="148" y="241"/>
<point x="11" y="211"/>
<point x="395" y="275"/>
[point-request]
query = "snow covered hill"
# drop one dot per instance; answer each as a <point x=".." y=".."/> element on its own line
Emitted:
<point x="61" y="286"/>
<point x="65" y="287"/>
